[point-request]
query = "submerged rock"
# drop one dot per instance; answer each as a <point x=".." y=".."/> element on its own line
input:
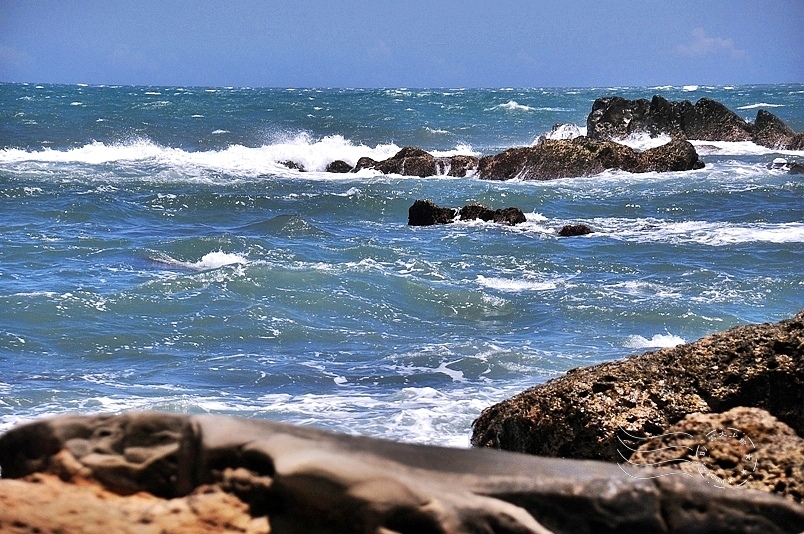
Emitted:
<point x="212" y="471"/>
<point x="292" y="165"/>
<point x="584" y="413"/>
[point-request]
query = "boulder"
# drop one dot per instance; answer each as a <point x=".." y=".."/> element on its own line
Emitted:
<point x="428" y="213"/>
<point x="570" y="230"/>
<point x="364" y="163"/>
<point x="708" y="120"/>
<point x="339" y="166"/>
<point x="459" y="166"/>
<point x="770" y="131"/>
<point x="740" y="448"/>
<point x="795" y="168"/>
<point x="509" y="216"/>
<point x="584" y="156"/>
<point x="302" y="480"/>
<point x="292" y="165"/>
<point x="584" y="413"/>
<point x="410" y="161"/>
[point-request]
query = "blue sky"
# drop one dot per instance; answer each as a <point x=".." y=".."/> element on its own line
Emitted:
<point x="415" y="43"/>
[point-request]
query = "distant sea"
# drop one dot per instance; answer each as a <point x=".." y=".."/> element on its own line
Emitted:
<point x="156" y="255"/>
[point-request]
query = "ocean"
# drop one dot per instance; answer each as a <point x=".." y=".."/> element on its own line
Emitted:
<point x="157" y="255"/>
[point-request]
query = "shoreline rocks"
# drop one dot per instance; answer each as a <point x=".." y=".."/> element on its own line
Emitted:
<point x="428" y="213"/>
<point x="707" y="120"/>
<point x="606" y="410"/>
<point x="154" y="472"/>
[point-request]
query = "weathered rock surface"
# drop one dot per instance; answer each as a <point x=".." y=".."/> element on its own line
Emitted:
<point x="428" y="213"/>
<point x="302" y="480"/>
<point x="743" y="447"/>
<point x="572" y="230"/>
<point x="412" y="161"/>
<point x="584" y="413"/>
<point x="339" y="166"/>
<point x="708" y="120"/>
<point x="292" y="165"/>
<point x="584" y="156"/>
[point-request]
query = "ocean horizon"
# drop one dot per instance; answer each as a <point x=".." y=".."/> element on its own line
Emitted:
<point x="158" y="253"/>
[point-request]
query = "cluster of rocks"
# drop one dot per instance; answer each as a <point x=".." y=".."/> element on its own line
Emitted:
<point x="161" y="472"/>
<point x="607" y="411"/>
<point x="707" y="120"/>
<point x="611" y="118"/>
<point x="428" y="213"/>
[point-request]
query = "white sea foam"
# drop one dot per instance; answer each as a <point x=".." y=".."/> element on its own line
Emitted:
<point x="657" y="341"/>
<point x="511" y="285"/>
<point x="702" y="232"/>
<point x="761" y="105"/>
<point x="511" y="105"/>
<point x="209" y="261"/>
<point x="689" y="88"/>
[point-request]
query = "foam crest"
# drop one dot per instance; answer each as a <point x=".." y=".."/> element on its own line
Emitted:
<point x="511" y="105"/>
<point x="701" y="232"/>
<point x="761" y="105"/>
<point x="657" y="341"/>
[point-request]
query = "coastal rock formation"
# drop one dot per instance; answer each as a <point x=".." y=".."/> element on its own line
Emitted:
<point x="743" y="447"/>
<point x="571" y="230"/>
<point x="302" y="480"/>
<point x="584" y="156"/>
<point x="708" y="120"/>
<point x="592" y="412"/>
<point x="339" y="166"/>
<point x="412" y="161"/>
<point x="428" y="213"/>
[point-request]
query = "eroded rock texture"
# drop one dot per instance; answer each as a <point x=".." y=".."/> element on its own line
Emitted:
<point x="302" y="480"/>
<point x="584" y="413"/>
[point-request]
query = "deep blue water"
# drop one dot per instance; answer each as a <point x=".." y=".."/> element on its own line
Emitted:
<point x="155" y="255"/>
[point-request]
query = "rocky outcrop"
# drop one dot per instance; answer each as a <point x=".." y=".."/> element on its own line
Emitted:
<point x="339" y="166"/>
<point x="584" y="156"/>
<point x="572" y="230"/>
<point x="292" y="165"/>
<point x="412" y="161"/>
<point x="743" y="447"/>
<point x="428" y="213"/>
<point x="302" y="480"/>
<point x="708" y="120"/>
<point x="591" y="412"/>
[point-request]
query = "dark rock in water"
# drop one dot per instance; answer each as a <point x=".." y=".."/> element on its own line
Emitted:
<point x="428" y="213"/>
<point x="677" y="155"/>
<point x="459" y="166"/>
<point x="339" y="166"/>
<point x="584" y="156"/>
<point x="585" y="412"/>
<point x="772" y="132"/>
<point x="707" y="120"/>
<point x="292" y="165"/>
<point x="795" y="168"/>
<point x="757" y="451"/>
<point x="364" y="163"/>
<point x="712" y="121"/>
<point x="410" y="161"/>
<point x="300" y="479"/>
<point x="570" y="230"/>
<point x="509" y="216"/>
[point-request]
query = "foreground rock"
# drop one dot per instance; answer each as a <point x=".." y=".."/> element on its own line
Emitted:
<point x="428" y="213"/>
<point x="743" y="447"/>
<point x="587" y="412"/>
<point x="302" y="480"/>
<point x="616" y="118"/>
<point x="584" y="156"/>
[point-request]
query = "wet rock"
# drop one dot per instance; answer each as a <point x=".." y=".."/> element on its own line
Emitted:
<point x="428" y="213"/>
<point x="615" y="117"/>
<point x="292" y="165"/>
<point x="460" y="166"/>
<point x="410" y="161"/>
<point x="339" y="166"/>
<point x="741" y="448"/>
<point x="571" y="230"/>
<point x="712" y="121"/>
<point x="795" y="168"/>
<point x="364" y="163"/>
<point x="772" y="132"/>
<point x="677" y="155"/>
<point x="300" y="479"/>
<point x="583" y="414"/>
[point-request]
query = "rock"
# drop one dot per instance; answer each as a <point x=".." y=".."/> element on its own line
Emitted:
<point x="300" y="479"/>
<point x="582" y="414"/>
<point x="570" y="230"/>
<point x="712" y="121"/>
<point x="772" y="132"/>
<point x="410" y="161"/>
<point x="292" y="165"/>
<point x="677" y="155"/>
<point x="615" y="117"/>
<point x="339" y="166"/>
<point x="550" y="159"/>
<point x="459" y="166"/>
<point x="427" y="213"/>
<point x="741" y="448"/>
<point x="364" y="163"/>
<point x="509" y="216"/>
<point x="795" y="168"/>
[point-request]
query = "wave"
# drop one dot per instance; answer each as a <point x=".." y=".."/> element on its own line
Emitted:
<point x="657" y="341"/>
<point x="761" y="105"/>
<point x="210" y="261"/>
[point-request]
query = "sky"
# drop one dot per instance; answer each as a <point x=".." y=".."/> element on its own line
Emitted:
<point x="411" y="43"/>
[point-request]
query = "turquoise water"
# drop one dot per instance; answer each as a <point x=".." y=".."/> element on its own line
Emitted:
<point x="155" y="254"/>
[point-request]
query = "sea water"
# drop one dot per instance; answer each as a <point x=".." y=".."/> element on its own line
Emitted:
<point x="156" y="254"/>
